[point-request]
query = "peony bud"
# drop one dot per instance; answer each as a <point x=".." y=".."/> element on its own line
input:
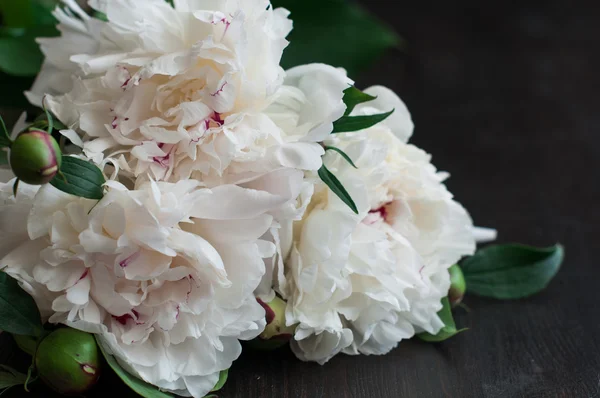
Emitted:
<point x="35" y="157"/>
<point x="276" y="333"/>
<point x="68" y="361"/>
<point x="458" y="285"/>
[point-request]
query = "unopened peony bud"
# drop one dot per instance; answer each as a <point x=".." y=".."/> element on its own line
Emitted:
<point x="35" y="157"/>
<point x="276" y="333"/>
<point x="68" y="361"/>
<point x="458" y="285"/>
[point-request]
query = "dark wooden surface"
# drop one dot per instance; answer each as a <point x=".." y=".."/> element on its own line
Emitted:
<point x="507" y="98"/>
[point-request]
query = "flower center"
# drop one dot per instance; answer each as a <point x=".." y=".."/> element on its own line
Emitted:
<point x="125" y="317"/>
<point x="379" y="214"/>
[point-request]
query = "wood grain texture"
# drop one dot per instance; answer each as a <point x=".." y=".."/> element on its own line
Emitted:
<point x="506" y="98"/>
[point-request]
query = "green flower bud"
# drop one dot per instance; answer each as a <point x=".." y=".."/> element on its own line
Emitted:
<point x="68" y="361"/>
<point x="458" y="286"/>
<point x="35" y="157"/>
<point x="276" y="333"/>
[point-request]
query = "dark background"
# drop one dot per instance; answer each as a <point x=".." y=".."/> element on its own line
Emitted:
<point x="505" y="97"/>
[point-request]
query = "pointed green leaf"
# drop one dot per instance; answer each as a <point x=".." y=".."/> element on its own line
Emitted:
<point x="20" y="56"/>
<point x="139" y="386"/>
<point x="449" y="329"/>
<point x="336" y="187"/>
<point x="42" y="12"/>
<point x="342" y="153"/>
<point x="347" y="124"/>
<point x="83" y="178"/>
<point x="511" y="271"/>
<point x="18" y="312"/>
<point x="10" y="377"/>
<point x="353" y="97"/>
<point x="222" y="380"/>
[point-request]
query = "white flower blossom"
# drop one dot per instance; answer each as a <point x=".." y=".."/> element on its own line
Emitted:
<point x="168" y="91"/>
<point x="362" y="283"/>
<point x="165" y="274"/>
<point x="214" y="197"/>
<point x="190" y="91"/>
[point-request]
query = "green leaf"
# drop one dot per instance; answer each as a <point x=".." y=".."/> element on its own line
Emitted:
<point x="222" y="380"/>
<point x="30" y="33"/>
<point x="27" y="344"/>
<point x="101" y="16"/>
<point x="449" y="329"/>
<point x="353" y="97"/>
<point x="511" y="271"/>
<point x="42" y="12"/>
<point x="336" y="187"/>
<point x="344" y="155"/>
<point x="17" y="13"/>
<point x="83" y="178"/>
<point x="3" y="157"/>
<point x="9" y="377"/>
<point x="18" y="312"/>
<point x="13" y="86"/>
<point x="20" y="56"/>
<point x="347" y="124"/>
<point x="139" y="386"/>
<point x="337" y="33"/>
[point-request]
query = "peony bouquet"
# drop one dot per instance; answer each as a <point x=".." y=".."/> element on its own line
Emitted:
<point x="183" y="193"/>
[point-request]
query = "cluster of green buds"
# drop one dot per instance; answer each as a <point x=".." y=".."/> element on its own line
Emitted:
<point x="34" y="155"/>
<point x="276" y="333"/>
<point x="67" y="360"/>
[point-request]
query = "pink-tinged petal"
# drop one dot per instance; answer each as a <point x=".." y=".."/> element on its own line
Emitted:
<point x="79" y="294"/>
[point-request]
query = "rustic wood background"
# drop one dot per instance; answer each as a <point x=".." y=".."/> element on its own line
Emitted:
<point x="506" y="98"/>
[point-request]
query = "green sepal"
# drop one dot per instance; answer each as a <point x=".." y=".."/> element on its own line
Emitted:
<point x="353" y="97"/>
<point x="349" y="124"/>
<point x="342" y="153"/>
<point x="336" y="187"/>
<point x="449" y="330"/>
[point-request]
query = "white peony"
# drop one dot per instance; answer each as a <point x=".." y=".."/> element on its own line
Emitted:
<point x="362" y="283"/>
<point x="167" y="91"/>
<point x="165" y="274"/>
<point x="190" y="91"/>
